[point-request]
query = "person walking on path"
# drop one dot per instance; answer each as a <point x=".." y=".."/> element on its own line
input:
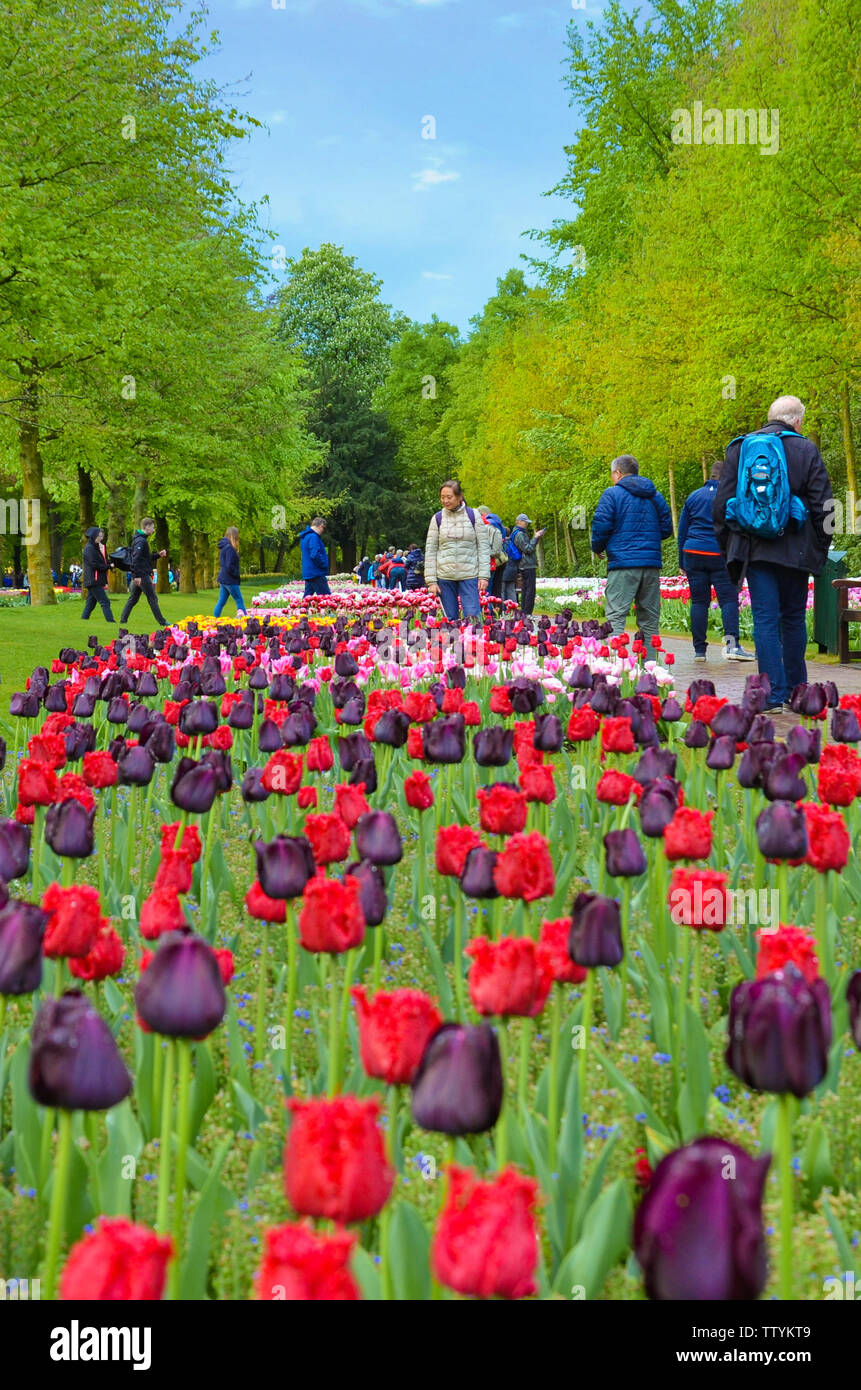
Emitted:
<point x="778" y="544"/>
<point x="228" y="573"/>
<point x="702" y="560"/>
<point x="415" y="563"/>
<point x="630" y="521"/>
<point x="96" y="566"/>
<point x="522" y="558"/>
<point x="498" y="557"/>
<point x="457" y="555"/>
<point x="141" y="561"/>
<point x="315" y="560"/>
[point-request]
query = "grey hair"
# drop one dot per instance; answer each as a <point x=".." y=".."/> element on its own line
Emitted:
<point x="625" y="464"/>
<point x="786" y="408"/>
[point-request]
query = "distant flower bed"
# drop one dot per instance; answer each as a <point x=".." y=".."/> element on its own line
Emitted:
<point x="19" y="598"/>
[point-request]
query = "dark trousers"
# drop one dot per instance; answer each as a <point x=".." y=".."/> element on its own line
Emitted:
<point x="147" y="587"/>
<point x="778" y="598"/>
<point x="527" y="590"/>
<point x="496" y="580"/>
<point x="318" y="585"/>
<point x="707" y="572"/>
<point x="96" y="594"/>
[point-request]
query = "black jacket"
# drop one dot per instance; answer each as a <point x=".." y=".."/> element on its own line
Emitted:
<point x="141" y="561"/>
<point x="805" y="549"/>
<point x="228" y="570"/>
<point x="95" y="562"/>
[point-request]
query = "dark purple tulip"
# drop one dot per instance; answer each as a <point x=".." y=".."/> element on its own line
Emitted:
<point x="845" y="727"/>
<point x="372" y="891"/>
<point x="84" y="705"/>
<point x="159" y="740"/>
<point x="364" y="772"/>
<point x="282" y="687"/>
<point x="761" y="730"/>
<point x="181" y="994"/>
<point x="74" y="1062"/>
<point x="781" y="831"/>
<point x="80" y="739"/>
<point x="24" y="704"/>
<point x="655" y="762"/>
<point x="606" y="698"/>
<point x="198" y="717"/>
<point x="671" y="710"/>
<point x="342" y="692"/>
<point x="624" y="853"/>
<point x="378" y="838"/>
<point x="647" y="684"/>
<point x="696" y="734"/>
<point x="258" y="679"/>
<point x="392" y="728"/>
<point x="69" y="829"/>
<point x="346" y="665"/>
<point x="55" y="698"/>
<point x="832" y="697"/>
<point x="758" y="681"/>
<point x="731" y="721"/>
<point x="353" y="711"/>
<point x="22" y="926"/>
<point x="194" y="786"/>
<point x="809" y="700"/>
<point x="444" y="739"/>
<point x="657" y="808"/>
<point x="580" y="678"/>
<point x="755" y="762"/>
<point x="699" y="1236"/>
<point x="455" y="678"/>
<point x="298" y="728"/>
<point x="252" y="785"/>
<point x="241" y="715"/>
<point x="781" y="780"/>
<point x="853" y="996"/>
<point x="284" y="865"/>
<point x="549" y="734"/>
<point x="136" y="766"/>
<point x="699" y="687"/>
<point x="596" y="931"/>
<point x="139" y="717"/>
<point x="4" y="893"/>
<point x="352" y="748"/>
<point x="212" y="683"/>
<point x="807" y="742"/>
<point x="492" y="747"/>
<point x="780" y="1032"/>
<point x="458" y="1086"/>
<point x="269" y="736"/>
<point x="721" y="754"/>
<point x="525" y="694"/>
<point x="118" y="710"/>
<point x="147" y="685"/>
<point x="219" y="760"/>
<point x="14" y="849"/>
<point x="477" y="880"/>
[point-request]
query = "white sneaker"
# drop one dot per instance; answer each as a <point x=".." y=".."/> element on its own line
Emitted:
<point x="733" y="651"/>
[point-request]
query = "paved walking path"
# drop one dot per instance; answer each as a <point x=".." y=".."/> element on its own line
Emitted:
<point x="729" y="676"/>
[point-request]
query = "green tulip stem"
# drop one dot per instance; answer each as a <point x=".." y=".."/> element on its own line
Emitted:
<point x="588" y="1006"/>
<point x="821" y="900"/>
<point x="349" y="967"/>
<point x="132" y="830"/>
<point x="162" y="1222"/>
<point x="523" y="1066"/>
<point x="290" y="928"/>
<point x="183" y="1126"/>
<point x="68" y="872"/>
<point x="784" y="1147"/>
<point x="2" y="1012"/>
<point x="180" y="829"/>
<point x="57" y="1217"/>
<point x="698" y="967"/>
<point x="553" y="1092"/>
<point x="502" y="1122"/>
<point x="458" y="957"/>
<point x="333" y="1026"/>
<point x="386" y="1213"/>
<point x="260" y="1024"/>
<point x="783" y="892"/>
<point x="36" y="845"/>
<point x="378" y="955"/>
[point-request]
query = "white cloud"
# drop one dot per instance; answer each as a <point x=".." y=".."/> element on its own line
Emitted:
<point x="435" y="275"/>
<point x="429" y="178"/>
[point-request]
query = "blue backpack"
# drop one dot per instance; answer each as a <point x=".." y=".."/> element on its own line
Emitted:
<point x="763" y="504"/>
<point x="508" y="545"/>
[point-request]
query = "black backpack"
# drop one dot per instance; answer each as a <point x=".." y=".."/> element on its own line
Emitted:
<point x="120" y="558"/>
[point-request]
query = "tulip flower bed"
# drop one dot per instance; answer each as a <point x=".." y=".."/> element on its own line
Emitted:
<point x="344" y="957"/>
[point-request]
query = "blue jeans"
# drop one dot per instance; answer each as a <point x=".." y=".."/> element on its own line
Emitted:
<point x="778" y="598"/>
<point x="318" y="585"/>
<point x="707" y="572"/>
<point x="464" y="590"/>
<point x="225" y="592"/>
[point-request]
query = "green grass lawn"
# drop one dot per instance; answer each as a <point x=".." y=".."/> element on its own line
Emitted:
<point x="33" y="636"/>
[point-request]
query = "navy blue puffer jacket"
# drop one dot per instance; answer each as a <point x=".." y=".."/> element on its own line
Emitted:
<point x="696" y="528"/>
<point x="630" y="521"/>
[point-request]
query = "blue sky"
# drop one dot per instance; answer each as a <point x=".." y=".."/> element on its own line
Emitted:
<point x="343" y="87"/>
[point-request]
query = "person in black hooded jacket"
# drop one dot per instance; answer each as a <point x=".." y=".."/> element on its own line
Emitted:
<point x="95" y="575"/>
<point x="228" y="573"/>
<point x="141" y="562"/>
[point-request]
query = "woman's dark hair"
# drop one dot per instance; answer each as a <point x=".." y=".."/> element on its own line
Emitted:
<point x="454" y="485"/>
<point x="717" y="469"/>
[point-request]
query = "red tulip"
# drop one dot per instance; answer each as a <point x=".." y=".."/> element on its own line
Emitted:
<point x="583" y="725"/>
<point x="689" y="834"/>
<point x="415" y="742"/>
<point x="335" y="1165"/>
<point x="319" y="756"/>
<point x="258" y="904"/>
<point x="331" y="918"/>
<point x="617" y="735"/>
<point x="329" y="836"/>
<point x="118" y="1262"/>
<point x="173" y="874"/>
<point x="301" y="1266"/>
<point x="99" y="769"/>
<point x="786" y="945"/>
<point x="283" y="772"/>
<point x="524" y="868"/>
<point x="827" y="838"/>
<point x="161" y="912"/>
<point x="103" y="959"/>
<point x="420" y="706"/>
<point x="190" y="844"/>
<point x="418" y="791"/>
<point x="306" y="797"/>
<point x="617" y="788"/>
<point x="499" y="701"/>
<point x="49" y="749"/>
<point x="553" y="948"/>
<point x="37" y="783"/>
<point x="75" y="920"/>
<point x="509" y="976"/>
<point x="502" y="810"/>
<point x="537" y="783"/>
<point x="394" y="1030"/>
<point x="453" y="843"/>
<point x="698" y="898"/>
<point x="350" y="803"/>
<point x="486" y="1241"/>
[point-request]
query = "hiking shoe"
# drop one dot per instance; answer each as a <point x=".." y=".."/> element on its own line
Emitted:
<point x="700" y="656"/>
<point x="733" y="651"/>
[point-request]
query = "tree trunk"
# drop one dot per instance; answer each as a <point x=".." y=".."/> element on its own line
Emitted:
<point x="162" y="542"/>
<point x="85" y="501"/>
<point x="116" y="533"/>
<point x="208" y="564"/>
<point x="279" y="559"/>
<point x="56" y="539"/>
<point x="36" y="498"/>
<point x="261" y="558"/>
<point x="671" y="474"/>
<point x="199" y="560"/>
<point x="568" y="549"/>
<point x="849" y="453"/>
<point x="348" y="557"/>
<point x="186" y="558"/>
<point x="705" y="468"/>
<point x="139" y="503"/>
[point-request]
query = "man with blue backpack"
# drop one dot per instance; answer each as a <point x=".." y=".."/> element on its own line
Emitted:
<point x="702" y="560"/>
<point x="770" y="514"/>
